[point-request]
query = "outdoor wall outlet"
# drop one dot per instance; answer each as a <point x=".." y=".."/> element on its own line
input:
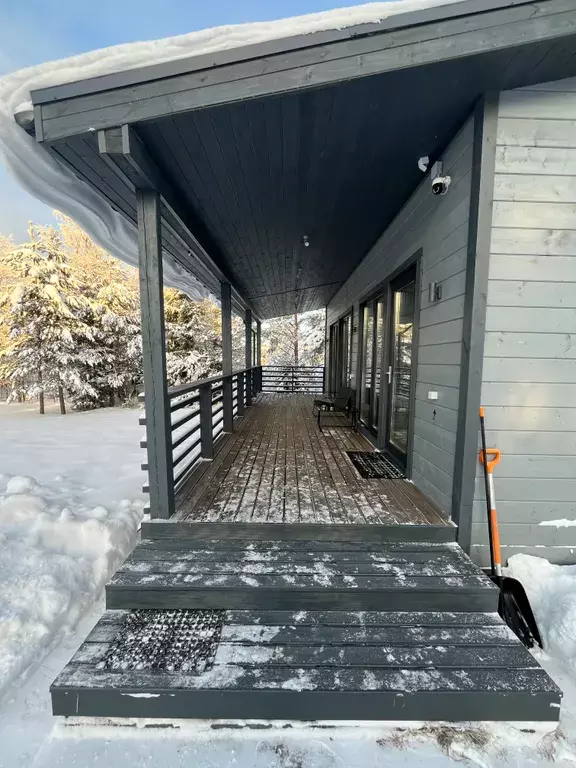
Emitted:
<point x="432" y="395"/>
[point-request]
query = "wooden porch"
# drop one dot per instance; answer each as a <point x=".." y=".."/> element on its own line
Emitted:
<point x="278" y="467"/>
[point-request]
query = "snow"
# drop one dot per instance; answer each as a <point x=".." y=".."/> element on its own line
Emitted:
<point x="64" y="530"/>
<point x="564" y="523"/>
<point x="52" y="183"/>
<point x="551" y="590"/>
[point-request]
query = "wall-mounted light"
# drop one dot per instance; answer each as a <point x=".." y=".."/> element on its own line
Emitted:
<point x="306" y="241"/>
<point x="434" y="292"/>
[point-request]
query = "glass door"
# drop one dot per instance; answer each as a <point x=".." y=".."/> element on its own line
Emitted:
<point x="399" y="371"/>
<point x="344" y="350"/>
<point x="378" y="349"/>
<point x="367" y="360"/>
<point x="373" y="344"/>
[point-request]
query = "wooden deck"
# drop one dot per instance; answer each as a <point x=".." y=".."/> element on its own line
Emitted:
<point x="278" y="467"/>
<point x="333" y="598"/>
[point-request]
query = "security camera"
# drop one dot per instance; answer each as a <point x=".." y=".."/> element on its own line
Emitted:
<point x="440" y="185"/>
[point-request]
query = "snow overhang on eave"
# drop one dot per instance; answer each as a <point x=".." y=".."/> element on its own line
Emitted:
<point x="313" y="58"/>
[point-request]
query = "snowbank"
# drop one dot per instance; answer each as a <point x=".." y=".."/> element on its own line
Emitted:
<point x="551" y="590"/>
<point x="56" y="554"/>
<point x="56" y="186"/>
<point x="63" y="532"/>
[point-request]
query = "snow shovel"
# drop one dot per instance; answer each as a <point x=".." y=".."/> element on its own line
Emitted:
<point x="513" y="604"/>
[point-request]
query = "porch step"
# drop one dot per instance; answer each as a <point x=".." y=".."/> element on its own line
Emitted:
<point x="294" y="575"/>
<point x="320" y="665"/>
<point x="376" y="532"/>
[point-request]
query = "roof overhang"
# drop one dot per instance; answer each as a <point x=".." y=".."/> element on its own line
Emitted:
<point x="317" y="137"/>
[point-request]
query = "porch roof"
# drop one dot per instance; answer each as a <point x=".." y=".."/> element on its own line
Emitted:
<point x="280" y="164"/>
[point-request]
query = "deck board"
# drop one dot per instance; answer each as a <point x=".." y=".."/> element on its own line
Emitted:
<point x="278" y="467"/>
<point x="276" y="574"/>
<point x="327" y="665"/>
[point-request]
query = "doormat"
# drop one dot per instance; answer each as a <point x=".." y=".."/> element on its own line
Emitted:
<point x="375" y="466"/>
<point x="165" y="641"/>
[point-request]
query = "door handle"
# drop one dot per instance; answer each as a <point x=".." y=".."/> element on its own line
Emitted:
<point x="389" y="374"/>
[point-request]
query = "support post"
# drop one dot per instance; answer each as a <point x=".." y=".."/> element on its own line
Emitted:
<point x="227" y="394"/>
<point x="473" y="333"/>
<point x="156" y="399"/>
<point x="259" y="354"/>
<point x="206" y="434"/>
<point x="248" y="330"/>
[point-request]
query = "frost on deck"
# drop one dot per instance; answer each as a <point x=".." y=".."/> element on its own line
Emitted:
<point x="310" y="650"/>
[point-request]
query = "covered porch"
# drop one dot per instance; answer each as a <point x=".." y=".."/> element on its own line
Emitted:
<point x="284" y="177"/>
<point x="278" y="467"/>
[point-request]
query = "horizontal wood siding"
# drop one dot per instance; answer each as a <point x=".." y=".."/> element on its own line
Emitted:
<point x="438" y="225"/>
<point x="529" y="375"/>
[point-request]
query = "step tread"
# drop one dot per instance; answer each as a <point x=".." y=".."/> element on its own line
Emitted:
<point x="425" y="658"/>
<point x="273" y="566"/>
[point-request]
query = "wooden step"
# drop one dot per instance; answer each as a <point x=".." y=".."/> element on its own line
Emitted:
<point x="228" y="574"/>
<point x="323" y="665"/>
<point x="184" y="532"/>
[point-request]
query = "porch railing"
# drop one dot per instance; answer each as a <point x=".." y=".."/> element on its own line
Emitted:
<point x="293" y="378"/>
<point x="200" y="412"/>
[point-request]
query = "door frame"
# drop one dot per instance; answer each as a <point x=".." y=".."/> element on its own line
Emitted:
<point x="336" y="373"/>
<point x="415" y="261"/>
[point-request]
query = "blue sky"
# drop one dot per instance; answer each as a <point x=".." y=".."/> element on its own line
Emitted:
<point x="33" y="31"/>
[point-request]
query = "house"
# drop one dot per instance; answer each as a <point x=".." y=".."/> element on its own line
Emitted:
<point x="416" y="177"/>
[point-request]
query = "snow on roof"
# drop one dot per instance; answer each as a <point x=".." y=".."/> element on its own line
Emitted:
<point x="52" y="183"/>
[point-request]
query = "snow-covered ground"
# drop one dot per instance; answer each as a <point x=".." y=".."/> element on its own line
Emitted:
<point x="70" y="506"/>
<point x="62" y="533"/>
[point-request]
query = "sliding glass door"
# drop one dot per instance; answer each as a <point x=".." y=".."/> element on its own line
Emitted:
<point x="372" y="350"/>
<point x="340" y="354"/>
<point x="386" y="385"/>
<point x="399" y="370"/>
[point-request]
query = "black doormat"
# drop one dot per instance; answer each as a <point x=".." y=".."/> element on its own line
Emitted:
<point x="375" y="466"/>
<point x="165" y="641"/>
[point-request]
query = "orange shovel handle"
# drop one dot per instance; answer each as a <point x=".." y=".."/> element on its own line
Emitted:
<point x="491" y="462"/>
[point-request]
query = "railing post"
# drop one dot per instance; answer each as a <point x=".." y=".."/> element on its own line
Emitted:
<point x="227" y="404"/>
<point x="157" y="401"/>
<point x="206" y="431"/>
<point x="240" y="391"/>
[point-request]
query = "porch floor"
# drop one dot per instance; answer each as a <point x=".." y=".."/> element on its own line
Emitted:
<point x="278" y="467"/>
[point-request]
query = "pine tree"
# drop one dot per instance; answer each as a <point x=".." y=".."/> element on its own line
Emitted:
<point x="47" y="317"/>
<point x="294" y="340"/>
<point x="193" y="338"/>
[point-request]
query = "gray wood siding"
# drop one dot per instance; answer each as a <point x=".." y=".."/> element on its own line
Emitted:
<point x="438" y="225"/>
<point x="529" y="374"/>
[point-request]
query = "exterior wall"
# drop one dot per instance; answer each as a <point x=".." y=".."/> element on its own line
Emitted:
<point x="529" y="372"/>
<point x="439" y="226"/>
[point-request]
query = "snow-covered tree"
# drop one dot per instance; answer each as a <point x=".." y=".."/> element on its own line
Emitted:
<point x="294" y="340"/>
<point x="193" y="338"/>
<point x="47" y="317"/>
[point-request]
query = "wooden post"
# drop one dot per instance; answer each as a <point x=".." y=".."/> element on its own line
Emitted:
<point x="248" y="330"/>
<point x="227" y="394"/>
<point x="206" y="431"/>
<point x="259" y="354"/>
<point x="157" y="402"/>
